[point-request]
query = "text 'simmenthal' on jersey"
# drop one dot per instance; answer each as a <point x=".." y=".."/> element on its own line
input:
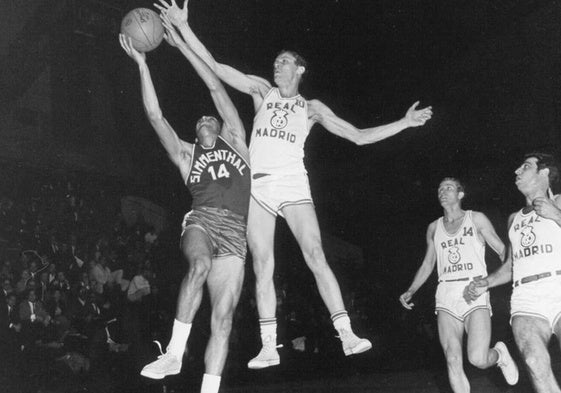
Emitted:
<point x="219" y="177"/>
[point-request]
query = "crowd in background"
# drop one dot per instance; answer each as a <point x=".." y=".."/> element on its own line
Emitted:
<point x="81" y="289"/>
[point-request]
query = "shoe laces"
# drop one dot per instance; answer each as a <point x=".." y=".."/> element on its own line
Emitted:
<point x="270" y="346"/>
<point x="268" y="343"/>
<point x="162" y="354"/>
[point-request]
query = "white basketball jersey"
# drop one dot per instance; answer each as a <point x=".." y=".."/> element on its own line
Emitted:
<point x="280" y="129"/>
<point x="461" y="254"/>
<point x="536" y="245"/>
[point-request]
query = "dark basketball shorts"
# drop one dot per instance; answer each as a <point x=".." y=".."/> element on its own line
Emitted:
<point x="226" y="230"/>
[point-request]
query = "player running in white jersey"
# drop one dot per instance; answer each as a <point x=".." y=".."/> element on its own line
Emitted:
<point x="456" y="243"/>
<point x="534" y="267"/>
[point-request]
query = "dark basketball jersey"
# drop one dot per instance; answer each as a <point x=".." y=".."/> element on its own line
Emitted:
<point x="219" y="177"/>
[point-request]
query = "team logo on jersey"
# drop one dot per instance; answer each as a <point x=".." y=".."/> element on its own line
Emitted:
<point x="528" y="236"/>
<point x="454" y="255"/>
<point x="279" y="119"/>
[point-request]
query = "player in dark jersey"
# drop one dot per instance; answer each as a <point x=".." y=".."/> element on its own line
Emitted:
<point x="216" y="171"/>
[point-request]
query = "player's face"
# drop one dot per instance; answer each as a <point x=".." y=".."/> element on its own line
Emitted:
<point x="207" y="126"/>
<point x="527" y="174"/>
<point x="285" y="68"/>
<point x="448" y="193"/>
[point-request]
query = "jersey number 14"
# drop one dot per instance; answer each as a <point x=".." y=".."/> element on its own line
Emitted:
<point x="222" y="172"/>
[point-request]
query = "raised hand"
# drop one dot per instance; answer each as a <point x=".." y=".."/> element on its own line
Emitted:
<point x="405" y="300"/>
<point x="171" y="36"/>
<point x="126" y="44"/>
<point x="416" y="118"/>
<point x="175" y="14"/>
<point x="546" y="208"/>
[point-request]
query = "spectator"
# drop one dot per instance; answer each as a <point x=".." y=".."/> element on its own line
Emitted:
<point x="139" y="287"/>
<point x="21" y="285"/>
<point x="104" y="276"/>
<point x="56" y="307"/>
<point x="34" y="318"/>
<point x="6" y="289"/>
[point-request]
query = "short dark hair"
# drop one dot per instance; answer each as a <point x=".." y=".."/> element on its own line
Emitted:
<point x="547" y="160"/>
<point x="298" y="59"/>
<point x="458" y="182"/>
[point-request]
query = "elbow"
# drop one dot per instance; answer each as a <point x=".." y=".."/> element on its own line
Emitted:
<point x="213" y="85"/>
<point x="360" y="139"/>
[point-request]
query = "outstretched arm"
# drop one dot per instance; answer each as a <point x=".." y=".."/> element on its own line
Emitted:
<point x="175" y="147"/>
<point x="233" y="129"/>
<point x="424" y="271"/>
<point x="320" y="113"/>
<point x="255" y="86"/>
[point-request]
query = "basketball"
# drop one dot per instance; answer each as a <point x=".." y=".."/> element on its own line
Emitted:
<point x="144" y="27"/>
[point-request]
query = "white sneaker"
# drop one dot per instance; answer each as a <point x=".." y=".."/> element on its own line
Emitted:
<point x="268" y="356"/>
<point x="167" y="364"/>
<point x="353" y="344"/>
<point x="507" y="365"/>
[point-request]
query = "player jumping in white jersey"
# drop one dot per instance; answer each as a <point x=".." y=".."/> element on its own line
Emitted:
<point x="280" y="182"/>
<point x="534" y="267"/>
<point x="456" y="243"/>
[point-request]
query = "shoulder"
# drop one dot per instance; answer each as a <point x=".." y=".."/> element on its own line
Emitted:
<point x="479" y="217"/>
<point x="512" y="217"/>
<point x="232" y="138"/>
<point x="316" y="105"/>
<point x="317" y="110"/>
<point x="185" y="151"/>
<point x="431" y="229"/>
<point x="260" y="86"/>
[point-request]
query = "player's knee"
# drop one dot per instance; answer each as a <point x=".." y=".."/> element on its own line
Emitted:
<point x="315" y="258"/>
<point x="478" y="359"/>
<point x="222" y="323"/>
<point x="536" y="364"/>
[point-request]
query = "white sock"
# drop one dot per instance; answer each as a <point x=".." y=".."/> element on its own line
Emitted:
<point x="211" y="383"/>
<point x="179" y="336"/>
<point x="342" y="323"/>
<point x="268" y="328"/>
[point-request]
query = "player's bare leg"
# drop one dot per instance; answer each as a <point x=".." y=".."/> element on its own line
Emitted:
<point x="225" y="285"/>
<point x="197" y="249"/>
<point x="532" y="336"/>
<point x="260" y="237"/>
<point x="451" y="333"/>
<point x="478" y="329"/>
<point x="303" y="223"/>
